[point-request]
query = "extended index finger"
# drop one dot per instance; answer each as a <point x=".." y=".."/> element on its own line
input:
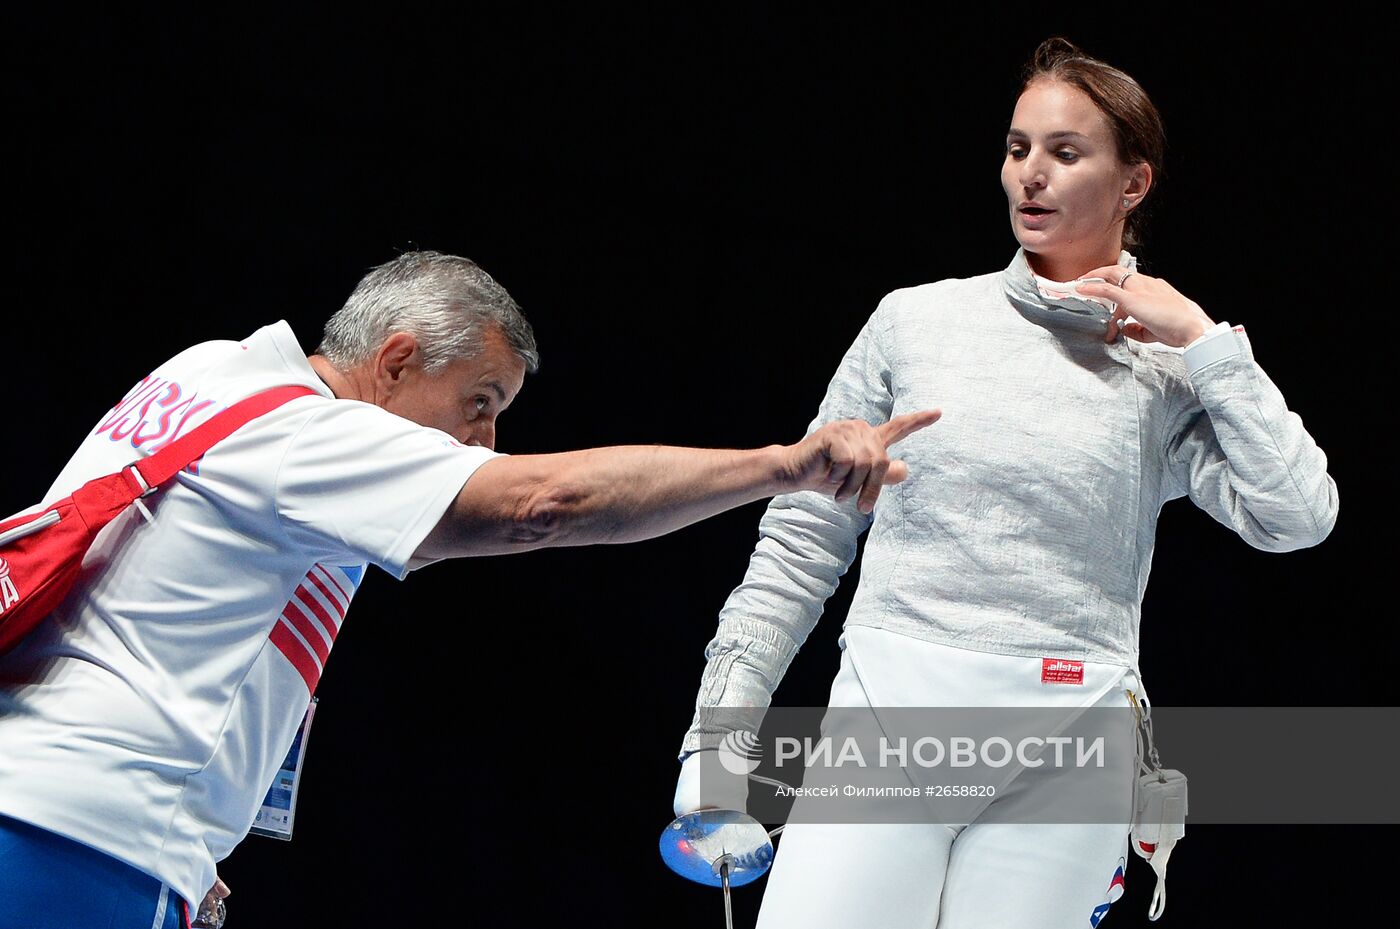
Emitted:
<point x="905" y="425"/>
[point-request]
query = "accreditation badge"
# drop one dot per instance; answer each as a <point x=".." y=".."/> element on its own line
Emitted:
<point x="278" y="811"/>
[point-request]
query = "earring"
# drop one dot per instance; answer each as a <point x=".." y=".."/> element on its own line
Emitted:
<point x="1127" y="202"/>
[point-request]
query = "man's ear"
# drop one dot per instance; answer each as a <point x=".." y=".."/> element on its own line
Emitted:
<point x="398" y="353"/>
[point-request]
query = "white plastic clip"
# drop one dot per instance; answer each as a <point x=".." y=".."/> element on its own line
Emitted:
<point x="146" y="491"/>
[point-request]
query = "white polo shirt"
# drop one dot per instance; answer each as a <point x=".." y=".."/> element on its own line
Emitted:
<point x="148" y="715"/>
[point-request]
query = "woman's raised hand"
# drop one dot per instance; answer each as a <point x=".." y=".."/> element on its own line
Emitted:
<point x="1160" y="312"/>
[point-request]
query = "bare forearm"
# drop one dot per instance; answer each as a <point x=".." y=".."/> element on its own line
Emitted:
<point x="635" y="492"/>
<point x="619" y="494"/>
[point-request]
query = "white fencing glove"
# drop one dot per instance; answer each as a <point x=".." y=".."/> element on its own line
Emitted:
<point x="705" y="783"/>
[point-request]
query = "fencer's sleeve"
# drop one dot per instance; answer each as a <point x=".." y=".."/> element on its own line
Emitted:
<point x="1241" y="455"/>
<point x="806" y="543"/>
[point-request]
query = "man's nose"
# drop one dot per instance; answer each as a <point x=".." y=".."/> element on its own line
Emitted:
<point x="483" y="433"/>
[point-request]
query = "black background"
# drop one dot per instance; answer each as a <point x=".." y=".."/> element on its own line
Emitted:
<point x="697" y="212"/>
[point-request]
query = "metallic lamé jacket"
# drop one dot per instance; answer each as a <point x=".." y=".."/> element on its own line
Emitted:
<point x="1027" y="523"/>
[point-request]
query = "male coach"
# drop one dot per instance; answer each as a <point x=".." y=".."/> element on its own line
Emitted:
<point x="141" y="723"/>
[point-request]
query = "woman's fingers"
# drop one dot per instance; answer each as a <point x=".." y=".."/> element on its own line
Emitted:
<point x="1140" y="333"/>
<point x="1112" y="273"/>
<point x="1103" y="289"/>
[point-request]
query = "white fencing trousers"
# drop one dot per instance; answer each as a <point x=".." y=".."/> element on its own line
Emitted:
<point x="927" y="875"/>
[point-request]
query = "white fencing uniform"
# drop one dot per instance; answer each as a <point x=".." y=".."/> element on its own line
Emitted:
<point x="1025" y="531"/>
<point x="954" y="876"/>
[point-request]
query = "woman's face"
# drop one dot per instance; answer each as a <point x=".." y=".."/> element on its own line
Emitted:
<point x="1064" y="183"/>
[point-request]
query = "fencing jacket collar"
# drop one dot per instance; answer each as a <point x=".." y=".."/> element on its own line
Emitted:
<point x="1054" y="303"/>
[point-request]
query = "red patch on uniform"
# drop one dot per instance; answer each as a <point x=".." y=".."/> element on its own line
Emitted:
<point x="1061" y="671"/>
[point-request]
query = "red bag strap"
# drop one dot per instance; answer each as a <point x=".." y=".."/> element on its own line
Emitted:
<point x="175" y="457"/>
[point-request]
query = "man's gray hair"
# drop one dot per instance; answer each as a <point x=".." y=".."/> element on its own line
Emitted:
<point x="446" y="302"/>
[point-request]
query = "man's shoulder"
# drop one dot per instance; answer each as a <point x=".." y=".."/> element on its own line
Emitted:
<point x="220" y="372"/>
<point x="195" y="384"/>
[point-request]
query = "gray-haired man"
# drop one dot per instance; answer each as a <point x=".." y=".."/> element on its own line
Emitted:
<point x="140" y="726"/>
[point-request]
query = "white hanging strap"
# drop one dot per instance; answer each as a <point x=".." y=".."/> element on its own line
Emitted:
<point x="1159" y="896"/>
